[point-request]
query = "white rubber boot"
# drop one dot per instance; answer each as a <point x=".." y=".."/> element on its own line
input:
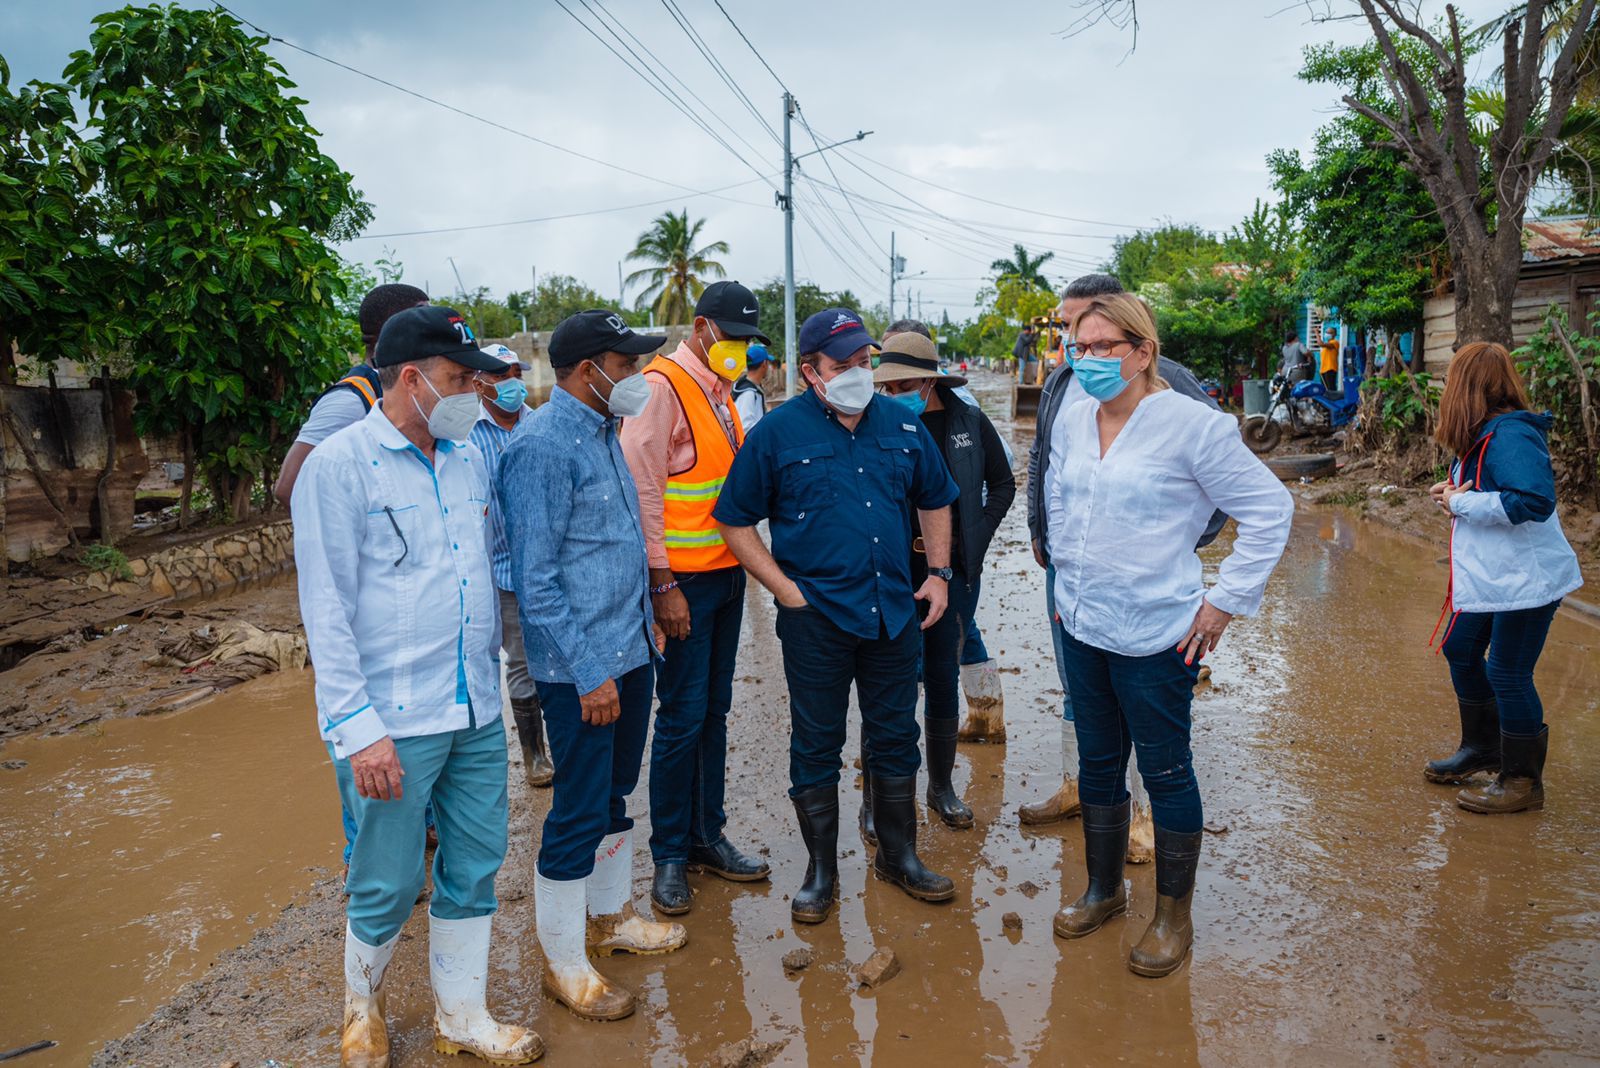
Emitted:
<point x="364" y="1038"/>
<point x="1142" y="829"/>
<point x="458" y="965"/>
<point x="1064" y="803"/>
<point x="986" y="703"/>
<point x="615" y="926"/>
<point x="561" y="916"/>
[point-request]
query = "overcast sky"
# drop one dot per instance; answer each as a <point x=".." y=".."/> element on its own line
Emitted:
<point x="985" y="99"/>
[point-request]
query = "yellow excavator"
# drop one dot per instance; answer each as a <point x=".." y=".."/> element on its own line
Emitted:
<point x="1049" y="335"/>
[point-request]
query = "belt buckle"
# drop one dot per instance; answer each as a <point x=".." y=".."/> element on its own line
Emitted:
<point x="917" y="546"/>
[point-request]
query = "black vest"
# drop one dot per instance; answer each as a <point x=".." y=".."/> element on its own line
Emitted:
<point x="963" y="454"/>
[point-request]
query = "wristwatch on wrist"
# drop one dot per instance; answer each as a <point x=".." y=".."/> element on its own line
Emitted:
<point x="946" y="573"/>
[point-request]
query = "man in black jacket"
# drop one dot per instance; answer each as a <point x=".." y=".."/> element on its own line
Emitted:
<point x="908" y="370"/>
<point x="1061" y="392"/>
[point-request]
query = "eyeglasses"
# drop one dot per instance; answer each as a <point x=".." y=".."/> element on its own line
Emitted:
<point x="1101" y="349"/>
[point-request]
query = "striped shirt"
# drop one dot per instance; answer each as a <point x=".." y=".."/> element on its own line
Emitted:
<point x="491" y="440"/>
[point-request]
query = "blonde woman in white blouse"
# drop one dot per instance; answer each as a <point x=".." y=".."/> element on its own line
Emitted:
<point x="1142" y="470"/>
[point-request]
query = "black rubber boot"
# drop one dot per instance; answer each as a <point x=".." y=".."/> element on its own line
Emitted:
<point x="528" y="715"/>
<point x="1520" y="784"/>
<point x="1480" y="745"/>
<point x="1105" y="849"/>
<point x="942" y="797"/>
<point x="1167" y="940"/>
<point x="669" y="890"/>
<point x="894" y="809"/>
<point x="869" y="830"/>
<point x="818" y="812"/>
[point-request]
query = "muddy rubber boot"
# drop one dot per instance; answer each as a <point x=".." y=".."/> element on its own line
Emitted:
<point x="364" y="1037"/>
<point x="561" y="921"/>
<point x="529" y="717"/>
<point x="1105" y="844"/>
<point x="1520" y="784"/>
<point x="458" y="967"/>
<point x="615" y="926"/>
<point x="1479" y="749"/>
<point x="986" y="704"/>
<point x="940" y="742"/>
<point x="1170" y="936"/>
<point x="1062" y="804"/>
<point x="817" y="810"/>
<point x="1142" y="833"/>
<point x="894" y="809"/>
<point x="869" y="829"/>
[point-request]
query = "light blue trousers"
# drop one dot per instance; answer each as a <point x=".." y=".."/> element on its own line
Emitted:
<point x="463" y="774"/>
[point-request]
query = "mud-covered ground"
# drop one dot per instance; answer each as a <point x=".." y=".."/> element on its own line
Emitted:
<point x="1346" y="912"/>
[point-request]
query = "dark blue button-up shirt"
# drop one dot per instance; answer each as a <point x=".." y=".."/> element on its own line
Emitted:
<point x="839" y="505"/>
<point x="578" y="563"/>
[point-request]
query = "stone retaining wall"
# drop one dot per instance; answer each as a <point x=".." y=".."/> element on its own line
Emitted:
<point x="206" y="568"/>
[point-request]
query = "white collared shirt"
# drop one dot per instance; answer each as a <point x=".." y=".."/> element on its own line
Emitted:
<point x="400" y="609"/>
<point x="1123" y="527"/>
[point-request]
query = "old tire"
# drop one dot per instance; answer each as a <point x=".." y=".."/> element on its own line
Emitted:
<point x="1261" y="434"/>
<point x="1305" y="465"/>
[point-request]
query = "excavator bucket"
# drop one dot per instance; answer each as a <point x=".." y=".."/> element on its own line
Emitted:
<point x="1025" y="401"/>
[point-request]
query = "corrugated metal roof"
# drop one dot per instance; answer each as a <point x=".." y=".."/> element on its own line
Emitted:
<point x="1561" y="238"/>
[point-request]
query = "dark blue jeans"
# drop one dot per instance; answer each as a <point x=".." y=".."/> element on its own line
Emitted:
<point x="1513" y="641"/>
<point x="1140" y="703"/>
<point x="942" y="651"/>
<point x="694" y="688"/>
<point x="596" y="769"/>
<point x="821" y="661"/>
<point x="973" y="651"/>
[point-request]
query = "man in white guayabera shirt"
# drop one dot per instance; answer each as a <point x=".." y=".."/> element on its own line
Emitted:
<point x="392" y="547"/>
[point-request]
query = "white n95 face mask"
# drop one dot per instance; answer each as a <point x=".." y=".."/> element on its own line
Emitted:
<point x="452" y="417"/>
<point x="629" y="397"/>
<point x="849" y="392"/>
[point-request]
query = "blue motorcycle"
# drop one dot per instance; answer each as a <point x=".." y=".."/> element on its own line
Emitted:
<point x="1301" y="408"/>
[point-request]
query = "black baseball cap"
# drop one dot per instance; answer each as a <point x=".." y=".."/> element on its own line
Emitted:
<point x="589" y="333"/>
<point x="430" y="330"/>
<point x="733" y="308"/>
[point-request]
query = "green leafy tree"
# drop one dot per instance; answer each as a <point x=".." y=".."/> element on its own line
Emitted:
<point x="1025" y="267"/>
<point x="1005" y="307"/>
<point x="561" y="295"/>
<point x="221" y="207"/>
<point x="1162" y="253"/>
<point x="678" y="270"/>
<point x="54" y="269"/>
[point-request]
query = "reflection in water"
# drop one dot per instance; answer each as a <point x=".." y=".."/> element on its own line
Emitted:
<point x="1346" y="912"/>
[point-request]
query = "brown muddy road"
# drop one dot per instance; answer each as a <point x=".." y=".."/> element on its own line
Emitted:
<point x="1347" y="913"/>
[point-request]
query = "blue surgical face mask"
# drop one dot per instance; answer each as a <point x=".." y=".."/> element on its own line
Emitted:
<point x="917" y="402"/>
<point x="1101" y="377"/>
<point x="510" y="394"/>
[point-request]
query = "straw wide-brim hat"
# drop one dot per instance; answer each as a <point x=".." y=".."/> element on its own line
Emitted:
<point x="911" y="355"/>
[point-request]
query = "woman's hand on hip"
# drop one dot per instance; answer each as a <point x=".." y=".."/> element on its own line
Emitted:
<point x="1204" y="633"/>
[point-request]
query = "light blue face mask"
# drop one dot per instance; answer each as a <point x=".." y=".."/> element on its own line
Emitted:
<point x="915" y="401"/>
<point x="1101" y="377"/>
<point x="510" y="394"/>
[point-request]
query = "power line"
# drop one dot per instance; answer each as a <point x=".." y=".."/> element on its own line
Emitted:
<point x="459" y="111"/>
<point x="709" y="55"/>
<point x="829" y="164"/>
<point x="752" y="47"/>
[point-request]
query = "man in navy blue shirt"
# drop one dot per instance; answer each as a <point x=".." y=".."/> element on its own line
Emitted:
<point x="835" y="472"/>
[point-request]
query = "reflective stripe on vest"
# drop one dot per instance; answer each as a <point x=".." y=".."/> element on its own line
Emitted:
<point x="361" y="386"/>
<point x="690" y="534"/>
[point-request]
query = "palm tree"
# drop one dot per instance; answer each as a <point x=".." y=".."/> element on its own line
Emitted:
<point x="1025" y="267"/>
<point x="676" y="277"/>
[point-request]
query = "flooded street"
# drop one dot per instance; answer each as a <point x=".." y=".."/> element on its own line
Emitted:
<point x="1346" y="912"/>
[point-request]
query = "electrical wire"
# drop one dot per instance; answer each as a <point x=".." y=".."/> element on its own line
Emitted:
<point x="709" y="55"/>
<point x="752" y="47"/>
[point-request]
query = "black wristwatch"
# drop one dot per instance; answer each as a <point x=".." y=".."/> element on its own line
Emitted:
<point x="946" y="573"/>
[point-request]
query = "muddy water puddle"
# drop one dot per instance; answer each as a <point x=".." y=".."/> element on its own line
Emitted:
<point x="137" y="850"/>
<point x="1346" y="912"/>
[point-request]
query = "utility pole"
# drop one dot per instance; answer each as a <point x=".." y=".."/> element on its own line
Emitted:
<point x="791" y="359"/>
<point x="622" y="291"/>
<point x="785" y="200"/>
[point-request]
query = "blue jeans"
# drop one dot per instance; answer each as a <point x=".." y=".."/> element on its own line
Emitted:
<point x="596" y="769"/>
<point x="689" y="754"/>
<point x="941" y="653"/>
<point x="1139" y="703"/>
<point x="820" y="662"/>
<point x="1058" y="635"/>
<point x="462" y="774"/>
<point x="1513" y="641"/>
<point x="973" y="651"/>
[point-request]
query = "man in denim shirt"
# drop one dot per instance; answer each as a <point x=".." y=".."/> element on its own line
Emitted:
<point x="836" y="472"/>
<point x="580" y="574"/>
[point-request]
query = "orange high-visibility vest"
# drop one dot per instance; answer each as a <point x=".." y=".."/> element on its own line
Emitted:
<point x="690" y="537"/>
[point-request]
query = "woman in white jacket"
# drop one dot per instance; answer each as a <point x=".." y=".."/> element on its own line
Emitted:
<point x="1142" y="469"/>
<point x="1510" y="565"/>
